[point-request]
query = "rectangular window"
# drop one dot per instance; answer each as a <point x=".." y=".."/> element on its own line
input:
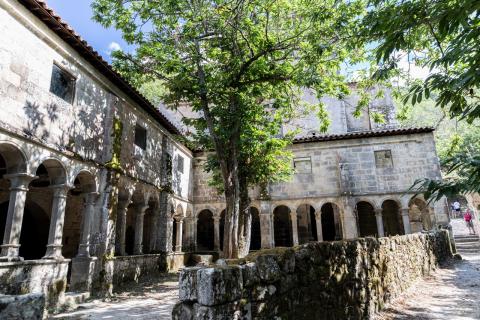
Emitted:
<point x="383" y="159"/>
<point x="302" y="165"/>
<point x="141" y="137"/>
<point x="62" y="84"/>
<point x="180" y="163"/>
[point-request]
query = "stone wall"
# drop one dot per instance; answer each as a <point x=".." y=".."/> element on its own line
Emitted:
<point x="322" y="280"/>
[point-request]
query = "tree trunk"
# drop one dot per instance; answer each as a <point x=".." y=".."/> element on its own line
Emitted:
<point x="232" y="197"/>
<point x="245" y="220"/>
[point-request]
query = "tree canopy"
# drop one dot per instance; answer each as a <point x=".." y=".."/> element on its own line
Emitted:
<point x="242" y="66"/>
<point x="441" y="36"/>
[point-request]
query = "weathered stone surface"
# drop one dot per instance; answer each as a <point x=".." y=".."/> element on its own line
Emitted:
<point x="337" y="280"/>
<point x="183" y="311"/>
<point x="219" y="285"/>
<point x="22" y="307"/>
<point x="268" y="269"/>
<point x="187" y="290"/>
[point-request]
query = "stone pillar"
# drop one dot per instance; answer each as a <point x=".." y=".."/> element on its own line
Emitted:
<point x="154" y="229"/>
<point x="406" y="220"/>
<point x="139" y="215"/>
<point x="55" y="234"/>
<point x="122" y="208"/>
<point x="178" y="242"/>
<point x="216" y="233"/>
<point x="13" y="226"/>
<point x="293" y="218"/>
<point x="88" y="211"/>
<point x="318" y="221"/>
<point x="379" y="218"/>
<point x="266" y="231"/>
<point x="169" y="234"/>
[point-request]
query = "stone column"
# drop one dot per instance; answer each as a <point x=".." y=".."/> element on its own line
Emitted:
<point x="122" y="208"/>
<point x="13" y="226"/>
<point x="216" y="233"/>
<point x="55" y="234"/>
<point x="88" y="211"/>
<point x="318" y="221"/>
<point x="293" y="218"/>
<point x="406" y="220"/>
<point x="178" y="242"/>
<point x="266" y="231"/>
<point x="379" y="218"/>
<point x="154" y="229"/>
<point x="139" y="215"/>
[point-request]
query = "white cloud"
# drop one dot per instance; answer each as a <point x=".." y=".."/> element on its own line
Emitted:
<point x="113" y="46"/>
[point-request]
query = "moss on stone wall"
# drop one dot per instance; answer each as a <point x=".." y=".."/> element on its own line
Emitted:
<point x="322" y="280"/>
<point x="117" y="132"/>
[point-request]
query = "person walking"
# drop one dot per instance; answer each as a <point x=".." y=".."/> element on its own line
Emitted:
<point x="456" y="209"/>
<point x="468" y="220"/>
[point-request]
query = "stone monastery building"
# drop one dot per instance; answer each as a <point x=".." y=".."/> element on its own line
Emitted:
<point x="95" y="189"/>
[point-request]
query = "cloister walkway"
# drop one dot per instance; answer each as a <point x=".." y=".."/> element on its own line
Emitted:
<point x="149" y="299"/>
<point x="451" y="293"/>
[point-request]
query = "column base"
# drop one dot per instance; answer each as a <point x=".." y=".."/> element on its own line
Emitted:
<point x="10" y="253"/>
<point x="82" y="273"/>
<point x="83" y="251"/>
<point x="54" y="252"/>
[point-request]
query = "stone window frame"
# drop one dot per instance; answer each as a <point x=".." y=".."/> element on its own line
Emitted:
<point x="382" y="164"/>
<point x="67" y="74"/>
<point x="302" y="159"/>
<point x="140" y="132"/>
<point x="180" y="163"/>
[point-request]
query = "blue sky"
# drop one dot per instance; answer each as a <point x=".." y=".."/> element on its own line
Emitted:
<point x="78" y="14"/>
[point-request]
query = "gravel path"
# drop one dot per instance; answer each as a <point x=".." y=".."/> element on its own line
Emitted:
<point x="150" y="299"/>
<point x="451" y="293"/>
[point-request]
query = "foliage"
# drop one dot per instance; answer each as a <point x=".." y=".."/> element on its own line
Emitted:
<point x="441" y="36"/>
<point x="241" y="65"/>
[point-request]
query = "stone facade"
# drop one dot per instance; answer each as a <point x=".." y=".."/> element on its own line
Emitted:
<point x="95" y="188"/>
<point x="330" y="280"/>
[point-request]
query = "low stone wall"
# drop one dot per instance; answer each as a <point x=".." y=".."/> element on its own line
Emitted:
<point x="325" y="280"/>
<point x="132" y="268"/>
<point x="23" y="307"/>
<point x="48" y="277"/>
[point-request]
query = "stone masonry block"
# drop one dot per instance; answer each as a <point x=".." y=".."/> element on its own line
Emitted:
<point x="219" y="285"/>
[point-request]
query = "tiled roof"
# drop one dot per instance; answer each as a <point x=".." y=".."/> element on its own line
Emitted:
<point x="40" y="9"/>
<point x="363" y="134"/>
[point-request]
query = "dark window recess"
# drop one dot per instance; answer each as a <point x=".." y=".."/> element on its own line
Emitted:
<point x="141" y="137"/>
<point x="62" y="84"/>
<point x="180" y="164"/>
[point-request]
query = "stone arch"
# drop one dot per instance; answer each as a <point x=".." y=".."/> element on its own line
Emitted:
<point x="331" y="222"/>
<point x="392" y="218"/>
<point x="12" y="158"/>
<point x="54" y="168"/>
<point x="205" y="230"/>
<point x="255" y="231"/>
<point x="419" y="214"/>
<point x="282" y="226"/>
<point x="306" y="225"/>
<point x="366" y="221"/>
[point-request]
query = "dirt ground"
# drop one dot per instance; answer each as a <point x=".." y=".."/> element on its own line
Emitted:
<point x="150" y="299"/>
<point x="451" y="293"/>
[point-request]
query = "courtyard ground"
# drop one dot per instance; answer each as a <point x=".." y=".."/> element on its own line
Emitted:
<point x="451" y="293"/>
<point x="150" y="299"/>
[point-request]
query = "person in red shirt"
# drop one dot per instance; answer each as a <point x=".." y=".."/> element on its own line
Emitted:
<point x="468" y="220"/>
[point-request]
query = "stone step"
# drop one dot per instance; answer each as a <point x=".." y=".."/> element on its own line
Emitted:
<point x="73" y="299"/>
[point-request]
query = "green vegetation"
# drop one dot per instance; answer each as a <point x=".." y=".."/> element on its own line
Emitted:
<point x="241" y="66"/>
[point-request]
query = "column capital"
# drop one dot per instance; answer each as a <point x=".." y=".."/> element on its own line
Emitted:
<point x="60" y="190"/>
<point x="318" y="214"/>
<point x="19" y="181"/>
<point x="124" y="202"/>
<point x="293" y="214"/>
<point x="216" y="219"/>
<point x="405" y="211"/>
<point x="379" y="212"/>
<point x="141" y="208"/>
<point x="90" y="197"/>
